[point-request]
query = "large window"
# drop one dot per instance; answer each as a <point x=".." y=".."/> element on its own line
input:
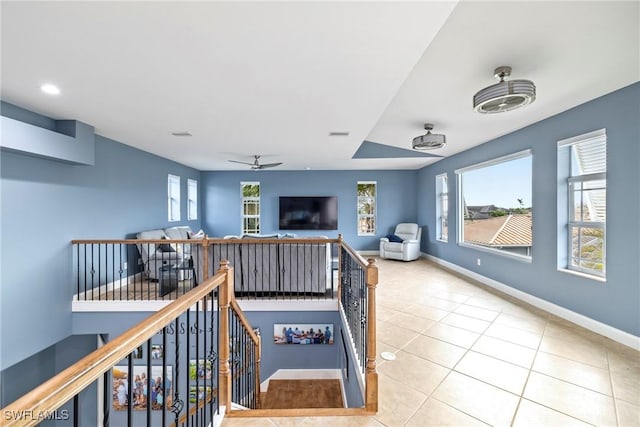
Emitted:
<point x="174" y="198"/>
<point x="585" y="157"/>
<point x="495" y="209"/>
<point x="192" y="199"/>
<point x="250" y="207"/>
<point x="366" y="208"/>
<point x="442" y="208"/>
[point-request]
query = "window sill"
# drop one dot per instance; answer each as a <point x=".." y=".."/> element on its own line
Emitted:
<point x="583" y="275"/>
<point x="442" y="240"/>
<point x="521" y="258"/>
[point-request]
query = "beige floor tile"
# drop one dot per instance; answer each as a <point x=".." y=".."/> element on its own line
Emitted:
<point x="411" y="322"/>
<point x="478" y="399"/>
<point x="503" y="350"/>
<point x="394" y="335"/>
<point x="622" y="358"/>
<point x="578" y="402"/>
<point x="436" y="413"/>
<point x="488" y="302"/>
<point x="469" y="323"/>
<point x="452" y="335"/>
<point x="532" y="414"/>
<point x="385" y="313"/>
<point x="427" y="312"/>
<point x="514" y="335"/>
<point x="451" y="296"/>
<point x="247" y="422"/>
<point x="338" y="422"/>
<point x="532" y="323"/>
<point x="496" y="372"/>
<point x="414" y="372"/>
<point x="573" y="332"/>
<point x="628" y="414"/>
<point x="477" y="312"/>
<point x="397" y="402"/>
<point x="434" y="302"/>
<point x="579" y="350"/>
<point x="626" y="386"/>
<point x="435" y="350"/>
<point x="587" y="376"/>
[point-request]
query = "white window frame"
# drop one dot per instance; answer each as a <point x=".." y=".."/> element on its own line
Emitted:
<point x="192" y="199"/>
<point x="252" y="200"/>
<point x="575" y="184"/>
<point x="173" y="198"/>
<point x="373" y="201"/>
<point x="461" y="205"/>
<point x="442" y="207"/>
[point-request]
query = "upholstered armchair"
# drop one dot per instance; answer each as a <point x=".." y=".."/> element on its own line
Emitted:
<point x="403" y="244"/>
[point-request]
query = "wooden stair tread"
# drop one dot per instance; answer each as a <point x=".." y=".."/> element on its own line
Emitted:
<point x="316" y="393"/>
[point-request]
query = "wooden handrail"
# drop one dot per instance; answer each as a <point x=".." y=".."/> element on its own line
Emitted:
<point x="55" y="392"/>
<point x="210" y="241"/>
<point x="359" y="258"/>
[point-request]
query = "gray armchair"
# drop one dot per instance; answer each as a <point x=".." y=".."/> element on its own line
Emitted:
<point x="403" y="244"/>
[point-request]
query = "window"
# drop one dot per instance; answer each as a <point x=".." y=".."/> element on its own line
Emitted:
<point x="192" y="199"/>
<point x="442" y="208"/>
<point x="174" y="198"/>
<point x="366" y="208"/>
<point x="494" y="210"/>
<point x="585" y="158"/>
<point x="250" y="207"/>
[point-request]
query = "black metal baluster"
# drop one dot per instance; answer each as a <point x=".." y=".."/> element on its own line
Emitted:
<point x="199" y="357"/>
<point x="187" y="362"/>
<point x="177" y="404"/>
<point x="163" y="385"/>
<point x="76" y="411"/>
<point x="147" y="395"/>
<point x="130" y="390"/>
<point x="106" y="401"/>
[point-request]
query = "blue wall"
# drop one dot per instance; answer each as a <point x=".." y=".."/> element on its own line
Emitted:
<point x="616" y="302"/>
<point x="46" y="204"/>
<point x="396" y="200"/>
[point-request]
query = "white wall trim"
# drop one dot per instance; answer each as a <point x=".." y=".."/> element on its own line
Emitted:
<point x="288" y="305"/>
<point x="615" y="334"/>
<point x="369" y="253"/>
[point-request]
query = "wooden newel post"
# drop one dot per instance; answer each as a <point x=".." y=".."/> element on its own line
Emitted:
<point x="225" y="373"/>
<point x="371" y="403"/>
<point x="205" y="259"/>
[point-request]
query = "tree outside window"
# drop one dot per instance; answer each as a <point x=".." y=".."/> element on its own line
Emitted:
<point x="366" y="206"/>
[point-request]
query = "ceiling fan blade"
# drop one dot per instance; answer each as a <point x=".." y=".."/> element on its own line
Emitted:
<point x="244" y="163"/>
<point x="270" y="165"/>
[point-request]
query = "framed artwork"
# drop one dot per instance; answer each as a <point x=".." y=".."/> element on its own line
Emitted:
<point x="157" y="351"/>
<point x="200" y="369"/>
<point x="161" y="392"/>
<point x="200" y="393"/>
<point x="303" y="333"/>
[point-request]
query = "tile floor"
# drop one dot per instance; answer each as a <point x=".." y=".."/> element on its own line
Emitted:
<point x="468" y="356"/>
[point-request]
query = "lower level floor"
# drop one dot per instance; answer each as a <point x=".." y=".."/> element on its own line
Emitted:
<point x="467" y="355"/>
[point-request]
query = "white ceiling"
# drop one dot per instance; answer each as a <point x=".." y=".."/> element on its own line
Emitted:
<point x="274" y="78"/>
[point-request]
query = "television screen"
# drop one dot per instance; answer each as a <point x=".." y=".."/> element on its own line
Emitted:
<point x="308" y="213"/>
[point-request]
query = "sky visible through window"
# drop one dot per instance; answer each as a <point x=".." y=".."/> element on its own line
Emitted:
<point x="500" y="185"/>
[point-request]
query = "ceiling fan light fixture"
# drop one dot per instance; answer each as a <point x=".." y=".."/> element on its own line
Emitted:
<point x="429" y="141"/>
<point x="504" y="95"/>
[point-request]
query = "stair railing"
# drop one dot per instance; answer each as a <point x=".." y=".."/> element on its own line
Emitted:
<point x="192" y="391"/>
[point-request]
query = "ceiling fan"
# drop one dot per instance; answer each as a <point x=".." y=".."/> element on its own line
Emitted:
<point x="256" y="163"/>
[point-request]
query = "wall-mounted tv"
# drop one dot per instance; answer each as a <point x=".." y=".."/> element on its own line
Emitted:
<point x="308" y="213"/>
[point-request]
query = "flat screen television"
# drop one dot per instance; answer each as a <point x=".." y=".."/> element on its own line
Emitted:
<point x="308" y="213"/>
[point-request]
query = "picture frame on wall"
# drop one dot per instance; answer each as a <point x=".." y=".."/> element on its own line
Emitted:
<point x="161" y="391"/>
<point x="303" y="333"/>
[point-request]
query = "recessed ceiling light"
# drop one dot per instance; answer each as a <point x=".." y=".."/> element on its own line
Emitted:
<point x="181" y="133"/>
<point x="339" y="133"/>
<point x="50" y="89"/>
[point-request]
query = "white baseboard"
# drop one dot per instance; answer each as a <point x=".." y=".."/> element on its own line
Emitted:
<point x="615" y="334"/>
<point x="369" y="253"/>
<point x="306" y="374"/>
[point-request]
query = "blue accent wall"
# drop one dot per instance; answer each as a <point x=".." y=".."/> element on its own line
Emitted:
<point x="396" y="200"/>
<point x="616" y="302"/>
<point x="46" y="204"/>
